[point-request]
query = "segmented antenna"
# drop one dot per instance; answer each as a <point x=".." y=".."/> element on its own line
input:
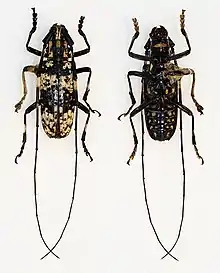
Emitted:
<point x="136" y="26"/>
<point x="81" y="20"/>
<point x="182" y="19"/>
<point x="34" y="19"/>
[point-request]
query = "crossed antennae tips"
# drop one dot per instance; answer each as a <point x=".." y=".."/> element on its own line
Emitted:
<point x="16" y="159"/>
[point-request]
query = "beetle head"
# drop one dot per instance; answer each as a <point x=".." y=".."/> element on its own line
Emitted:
<point x="159" y="41"/>
<point x="57" y="41"/>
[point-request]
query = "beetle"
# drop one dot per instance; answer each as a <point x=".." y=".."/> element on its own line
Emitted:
<point x="56" y="95"/>
<point x="161" y="98"/>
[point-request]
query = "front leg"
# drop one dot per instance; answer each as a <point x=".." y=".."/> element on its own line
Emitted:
<point x="82" y="70"/>
<point x="31" y="49"/>
<point x="182" y="27"/>
<point x="84" y="51"/>
<point x="130" y="53"/>
<point x="29" y="68"/>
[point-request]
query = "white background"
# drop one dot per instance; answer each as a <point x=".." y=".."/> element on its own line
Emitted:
<point x="109" y="229"/>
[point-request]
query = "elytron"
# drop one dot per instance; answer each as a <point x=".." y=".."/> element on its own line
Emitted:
<point x="161" y="99"/>
<point x="56" y="96"/>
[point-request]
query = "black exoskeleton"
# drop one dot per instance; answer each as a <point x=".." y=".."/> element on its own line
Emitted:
<point x="161" y="96"/>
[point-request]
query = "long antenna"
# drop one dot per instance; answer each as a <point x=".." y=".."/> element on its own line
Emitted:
<point x="74" y="187"/>
<point x="35" y="170"/>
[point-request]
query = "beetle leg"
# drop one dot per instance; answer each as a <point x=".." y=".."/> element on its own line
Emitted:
<point x="131" y="94"/>
<point x="29" y="68"/>
<point x="137" y="110"/>
<point x="198" y="106"/>
<point x="87" y="50"/>
<point x="31" y="49"/>
<point x="82" y="70"/>
<point x="177" y="73"/>
<point x="134" y="55"/>
<point x="182" y="27"/>
<point x="190" y="113"/>
<point x="83" y="138"/>
<point x="27" y="111"/>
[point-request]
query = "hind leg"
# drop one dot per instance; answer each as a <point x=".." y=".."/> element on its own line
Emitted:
<point x="83" y="138"/>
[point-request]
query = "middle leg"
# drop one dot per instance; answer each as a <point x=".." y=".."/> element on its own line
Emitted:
<point x="29" y="68"/>
<point x="83" y="138"/>
<point x="27" y="111"/>
<point x="131" y="94"/>
<point x="174" y="72"/>
<point x="82" y="70"/>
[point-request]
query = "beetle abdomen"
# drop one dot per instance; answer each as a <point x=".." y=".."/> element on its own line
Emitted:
<point x="57" y="125"/>
<point x="57" y="95"/>
<point x="161" y="125"/>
